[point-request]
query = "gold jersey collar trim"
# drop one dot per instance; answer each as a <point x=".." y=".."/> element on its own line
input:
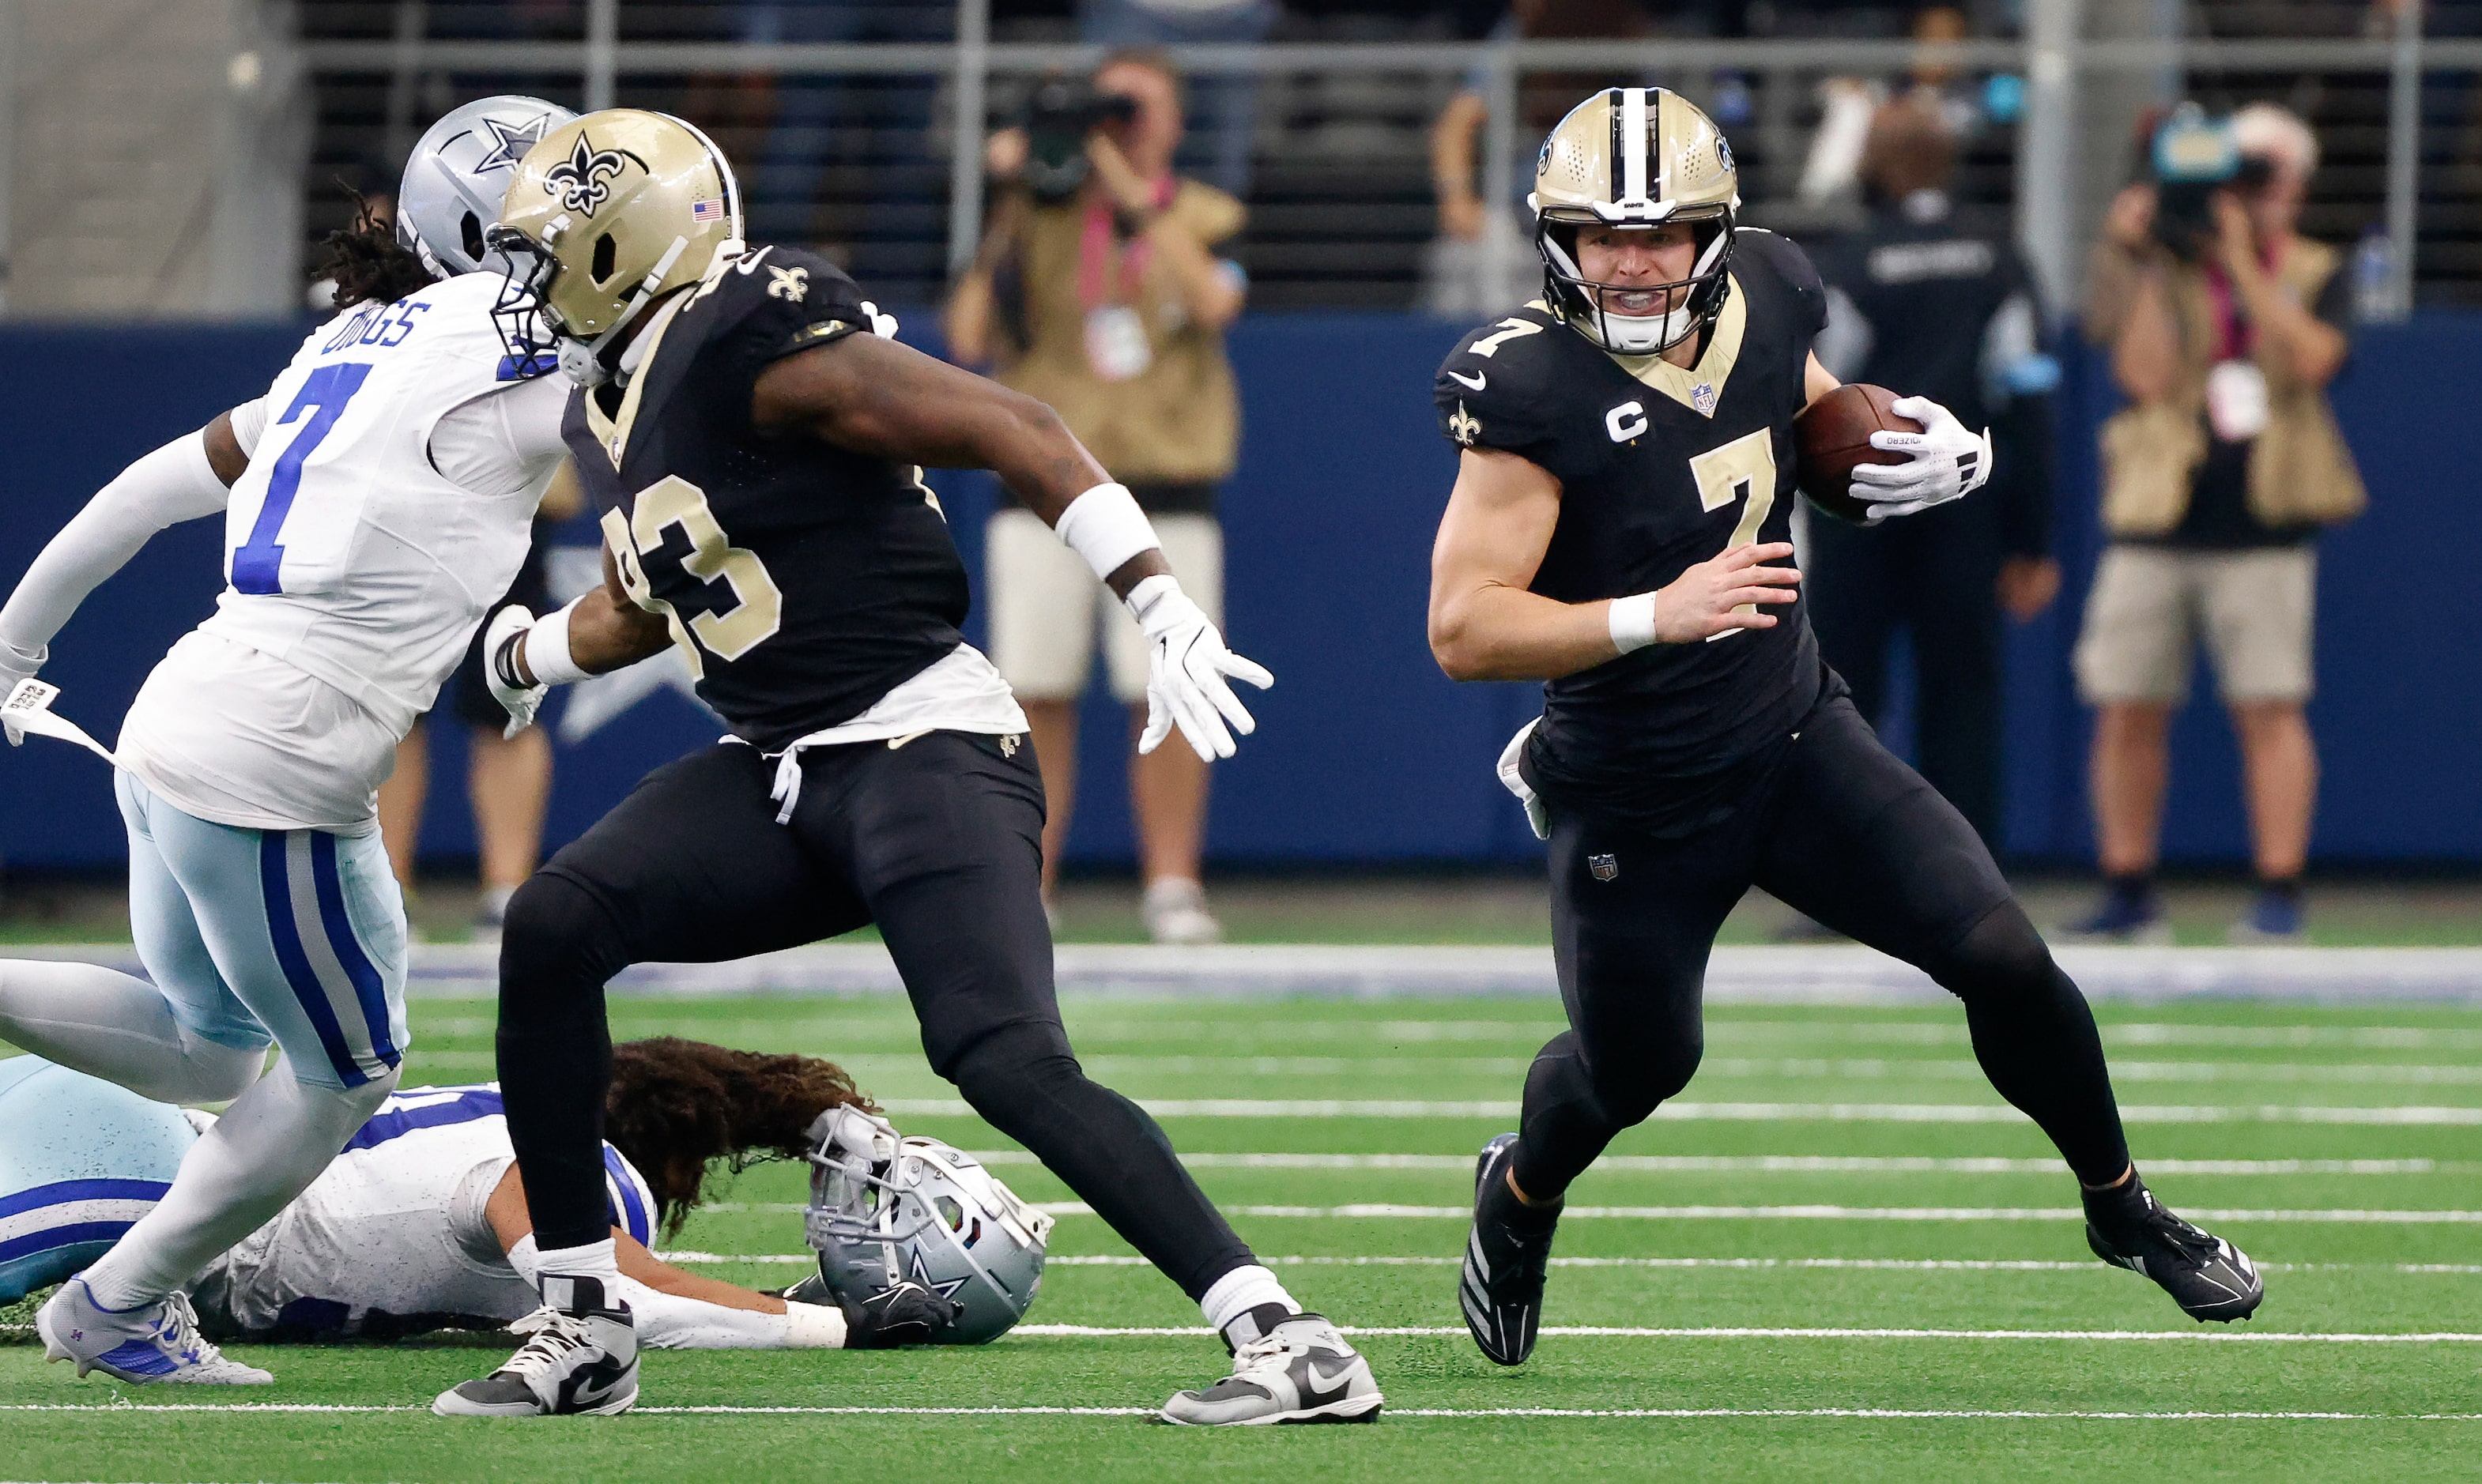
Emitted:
<point x="613" y="432"/>
<point x="1699" y="387"/>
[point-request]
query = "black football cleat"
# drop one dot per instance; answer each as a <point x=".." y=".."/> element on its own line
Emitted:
<point x="2206" y="1276"/>
<point x="1508" y="1254"/>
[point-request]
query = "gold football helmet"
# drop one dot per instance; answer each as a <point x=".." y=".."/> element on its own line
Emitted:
<point x="607" y="212"/>
<point x="1635" y="156"/>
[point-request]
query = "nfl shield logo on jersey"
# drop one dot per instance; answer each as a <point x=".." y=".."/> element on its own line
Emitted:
<point x="1605" y="867"/>
<point x="1703" y="397"/>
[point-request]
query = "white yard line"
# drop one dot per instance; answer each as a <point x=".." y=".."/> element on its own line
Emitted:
<point x="1743" y="1112"/>
<point x="1376" y="1210"/>
<point x="1678" y="1414"/>
<point x="1634" y="1332"/>
<point x="1878" y="1265"/>
<point x="1799" y="1165"/>
<point x="1385" y="1211"/>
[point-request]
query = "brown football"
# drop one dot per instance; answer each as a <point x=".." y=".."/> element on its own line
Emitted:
<point x="1832" y="437"/>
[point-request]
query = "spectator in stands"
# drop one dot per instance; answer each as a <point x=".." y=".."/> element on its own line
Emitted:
<point x="1225" y="103"/>
<point x="1098" y="288"/>
<point x="1917" y="300"/>
<point x="2224" y="327"/>
<point x="508" y="779"/>
<point x="1482" y="261"/>
<point x="1848" y="106"/>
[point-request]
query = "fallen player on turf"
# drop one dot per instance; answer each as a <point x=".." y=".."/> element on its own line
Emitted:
<point x="420" y="1224"/>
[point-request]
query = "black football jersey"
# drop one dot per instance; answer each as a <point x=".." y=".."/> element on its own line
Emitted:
<point x="1659" y="468"/>
<point x="804" y="582"/>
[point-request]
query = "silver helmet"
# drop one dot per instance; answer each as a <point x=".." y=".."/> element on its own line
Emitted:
<point x="459" y="171"/>
<point x="886" y="1208"/>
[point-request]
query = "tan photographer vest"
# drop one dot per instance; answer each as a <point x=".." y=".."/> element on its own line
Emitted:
<point x="2299" y="472"/>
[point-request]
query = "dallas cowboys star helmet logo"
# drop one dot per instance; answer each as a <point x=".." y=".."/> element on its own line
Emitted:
<point x="922" y="1275"/>
<point x="509" y="142"/>
<point x="583" y="179"/>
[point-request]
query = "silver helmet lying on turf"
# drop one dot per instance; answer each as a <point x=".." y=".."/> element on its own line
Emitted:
<point x="886" y="1208"/>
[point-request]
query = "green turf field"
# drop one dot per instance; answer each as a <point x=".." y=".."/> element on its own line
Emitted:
<point x="1847" y="1261"/>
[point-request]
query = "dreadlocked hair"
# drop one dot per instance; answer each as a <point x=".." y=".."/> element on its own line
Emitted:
<point x="366" y="262"/>
<point x="678" y="1107"/>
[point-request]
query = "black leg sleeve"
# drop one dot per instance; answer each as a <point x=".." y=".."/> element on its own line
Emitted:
<point x="2035" y="1036"/>
<point x="1632" y="918"/>
<point x="1025" y="1083"/>
<point x="1867" y="848"/>
<point x="555" y="1053"/>
<point x="945" y="836"/>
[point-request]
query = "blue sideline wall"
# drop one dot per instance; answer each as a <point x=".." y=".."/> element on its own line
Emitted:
<point x="1366" y="753"/>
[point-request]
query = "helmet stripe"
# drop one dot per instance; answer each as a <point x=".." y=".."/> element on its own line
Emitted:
<point x="1634" y="129"/>
<point x="1619" y="144"/>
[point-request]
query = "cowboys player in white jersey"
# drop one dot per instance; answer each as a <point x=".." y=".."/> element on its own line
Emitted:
<point x="420" y="1224"/>
<point x="754" y="438"/>
<point x="1618" y="530"/>
<point x="377" y="501"/>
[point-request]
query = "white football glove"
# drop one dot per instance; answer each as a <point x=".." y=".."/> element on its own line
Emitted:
<point x="508" y="628"/>
<point x="1186" y="665"/>
<point x="16" y="665"/>
<point x="1948" y="462"/>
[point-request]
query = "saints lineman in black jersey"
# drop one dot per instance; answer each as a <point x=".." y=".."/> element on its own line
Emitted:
<point x="754" y="438"/>
<point x="1619" y="530"/>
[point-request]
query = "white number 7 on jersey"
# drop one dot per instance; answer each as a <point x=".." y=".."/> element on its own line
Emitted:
<point x="1743" y="469"/>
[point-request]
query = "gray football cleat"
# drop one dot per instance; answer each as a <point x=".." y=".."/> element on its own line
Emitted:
<point x="157" y="1342"/>
<point x="1299" y="1371"/>
<point x="581" y="1360"/>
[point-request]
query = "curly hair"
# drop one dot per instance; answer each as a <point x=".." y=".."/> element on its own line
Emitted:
<point x="675" y="1107"/>
<point x="366" y="262"/>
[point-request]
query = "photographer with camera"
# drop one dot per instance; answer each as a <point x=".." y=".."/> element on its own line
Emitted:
<point x="1099" y="290"/>
<point x="2224" y="327"/>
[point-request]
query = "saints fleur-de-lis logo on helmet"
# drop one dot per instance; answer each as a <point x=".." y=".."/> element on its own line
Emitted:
<point x="583" y="178"/>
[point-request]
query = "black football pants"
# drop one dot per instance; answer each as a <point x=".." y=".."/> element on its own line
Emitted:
<point x="1937" y="576"/>
<point x="939" y="842"/>
<point x="1844" y="831"/>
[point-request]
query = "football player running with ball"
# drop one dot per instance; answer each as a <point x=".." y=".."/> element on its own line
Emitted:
<point x="754" y="441"/>
<point x="1620" y="531"/>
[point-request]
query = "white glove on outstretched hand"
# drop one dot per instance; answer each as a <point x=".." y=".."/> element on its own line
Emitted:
<point x="1948" y="462"/>
<point x="16" y="665"/>
<point x="520" y="702"/>
<point x="1186" y="665"/>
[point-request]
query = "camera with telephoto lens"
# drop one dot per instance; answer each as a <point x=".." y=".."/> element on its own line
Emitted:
<point x="1058" y="117"/>
<point x="2194" y="157"/>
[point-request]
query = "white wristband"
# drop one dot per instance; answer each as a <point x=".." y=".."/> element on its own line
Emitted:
<point x="1632" y="622"/>
<point x="548" y="650"/>
<point x="813" y="1327"/>
<point x="1105" y="525"/>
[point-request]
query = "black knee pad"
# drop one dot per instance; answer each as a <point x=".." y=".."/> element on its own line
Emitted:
<point x="557" y="938"/>
<point x="2001" y="954"/>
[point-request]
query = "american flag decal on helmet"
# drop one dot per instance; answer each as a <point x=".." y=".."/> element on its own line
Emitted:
<point x="708" y="210"/>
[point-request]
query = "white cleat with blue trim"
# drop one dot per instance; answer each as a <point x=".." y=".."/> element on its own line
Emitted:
<point x="157" y="1342"/>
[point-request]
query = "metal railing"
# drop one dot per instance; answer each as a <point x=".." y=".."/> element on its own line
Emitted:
<point x="2052" y="57"/>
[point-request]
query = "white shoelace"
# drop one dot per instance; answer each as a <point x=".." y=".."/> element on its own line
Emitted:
<point x="554" y="1337"/>
<point x="179" y="1333"/>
